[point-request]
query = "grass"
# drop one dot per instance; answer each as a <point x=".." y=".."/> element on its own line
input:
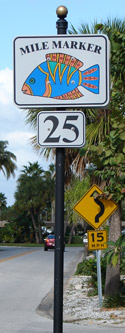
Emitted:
<point x="74" y="245"/>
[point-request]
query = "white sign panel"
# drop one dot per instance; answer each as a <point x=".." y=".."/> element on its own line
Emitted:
<point x="61" y="70"/>
<point x="61" y="129"/>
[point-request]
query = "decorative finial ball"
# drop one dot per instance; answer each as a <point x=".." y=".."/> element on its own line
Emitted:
<point x="62" y="11"/>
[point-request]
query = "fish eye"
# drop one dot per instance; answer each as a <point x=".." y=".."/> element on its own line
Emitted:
<point x="32" y="80"/>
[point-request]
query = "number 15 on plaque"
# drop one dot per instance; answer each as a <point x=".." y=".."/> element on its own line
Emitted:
<point x="61" y="129"/>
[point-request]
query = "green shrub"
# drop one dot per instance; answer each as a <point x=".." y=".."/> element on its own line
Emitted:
<point x="84" y="268"/>
<point x="75" y="240"/>
<point x="89" y="268"/>
<point x="122" y="266"/>
<point x="114" y="301"/>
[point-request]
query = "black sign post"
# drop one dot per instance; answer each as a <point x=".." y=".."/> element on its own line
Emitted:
<point x="59" y="210"/>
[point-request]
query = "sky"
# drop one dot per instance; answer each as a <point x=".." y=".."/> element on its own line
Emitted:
<point x="34" y="18"/>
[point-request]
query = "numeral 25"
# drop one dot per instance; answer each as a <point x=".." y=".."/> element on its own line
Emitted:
<point x="67" y="125"/>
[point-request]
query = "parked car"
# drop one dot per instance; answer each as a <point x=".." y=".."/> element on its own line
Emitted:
<point x="123" y="232"/>
<point x="49" y="242"/>
<point x="85" y="239"/>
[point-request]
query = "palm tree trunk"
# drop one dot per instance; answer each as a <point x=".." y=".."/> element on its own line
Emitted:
<point x="71" y="233"/>
<point x="35" y="227"/>
<point x="112" y="284"/>
<point x="39" y="230"/>
<point x="65" y="226"/>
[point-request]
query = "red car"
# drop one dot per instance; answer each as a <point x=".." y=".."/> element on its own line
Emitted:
<point x="49" y="242"/>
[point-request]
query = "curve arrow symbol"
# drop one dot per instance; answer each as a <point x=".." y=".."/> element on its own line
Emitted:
<point x="98" y="202"/>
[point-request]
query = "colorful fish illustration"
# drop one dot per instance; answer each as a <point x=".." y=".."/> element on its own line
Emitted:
<point x="59" y="77"/>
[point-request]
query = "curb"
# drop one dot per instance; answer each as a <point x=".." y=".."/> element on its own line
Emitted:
<point x="45" y="308"/>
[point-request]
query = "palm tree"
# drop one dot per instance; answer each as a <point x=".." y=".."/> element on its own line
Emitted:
<point x="29" y="193"/>
<point x="104" y="129"/>
<point x="2" y="202"/>
<point x="7" y="165"/>
<point x="35" y="190"/>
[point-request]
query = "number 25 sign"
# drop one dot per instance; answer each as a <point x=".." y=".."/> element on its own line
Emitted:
<point x="61" y="129"/>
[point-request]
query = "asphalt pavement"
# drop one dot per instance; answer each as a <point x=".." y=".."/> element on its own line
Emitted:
<point x="28" y="277"/>
<point x="44" y="325"/>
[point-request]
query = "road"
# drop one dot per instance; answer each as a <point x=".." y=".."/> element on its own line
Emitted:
<point x="26" y="276"/>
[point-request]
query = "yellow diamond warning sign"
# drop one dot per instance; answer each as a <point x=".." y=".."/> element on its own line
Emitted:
<point x="94" y="210"/>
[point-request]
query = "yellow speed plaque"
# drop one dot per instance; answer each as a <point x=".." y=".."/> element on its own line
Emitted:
<point x="97" y="239"/>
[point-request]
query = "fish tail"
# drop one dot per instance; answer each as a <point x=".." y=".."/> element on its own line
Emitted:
<point x="90" y="79"/>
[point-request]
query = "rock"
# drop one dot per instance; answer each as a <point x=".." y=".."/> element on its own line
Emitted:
<point x="78" y="306"/>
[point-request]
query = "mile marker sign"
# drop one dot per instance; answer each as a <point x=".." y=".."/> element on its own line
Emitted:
<point x="62" y="70"/>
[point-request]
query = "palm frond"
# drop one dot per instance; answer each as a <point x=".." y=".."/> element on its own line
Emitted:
<point x="46" y="152"/>
<point x="31" y="117"/>
<point x="72" y="30"/>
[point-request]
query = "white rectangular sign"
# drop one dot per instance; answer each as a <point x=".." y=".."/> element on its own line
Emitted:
<point x="61" y="129"/>
<point x="62" y="70"/>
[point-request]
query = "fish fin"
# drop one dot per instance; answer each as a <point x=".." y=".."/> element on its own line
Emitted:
<point x="90" y="79"/>
<point x="48" y="89"/>
<point x="64" y="59"/>
<point x="71" y="95"/>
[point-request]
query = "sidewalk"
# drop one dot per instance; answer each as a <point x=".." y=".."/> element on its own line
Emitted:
<point x="79" y="309"/>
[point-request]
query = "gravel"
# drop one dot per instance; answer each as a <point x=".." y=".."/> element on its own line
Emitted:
<point x="78" y="306"/>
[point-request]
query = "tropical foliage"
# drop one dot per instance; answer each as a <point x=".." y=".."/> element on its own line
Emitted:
<point x="114" y="250"/>
<point x="3" y="204"/>
<point x="35" y="192"/>
<point x="105" y="142"/>
<point x="7" y="160"/>
<point x="3" y="201"/>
